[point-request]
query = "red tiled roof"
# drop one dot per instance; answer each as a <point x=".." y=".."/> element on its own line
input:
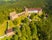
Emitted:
<point x="9" y="30"/>
<point x="31" y="9"/>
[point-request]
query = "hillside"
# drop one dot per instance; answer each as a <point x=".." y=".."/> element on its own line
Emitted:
<point x="35" y="30"/>
<point x="18" y="5"/>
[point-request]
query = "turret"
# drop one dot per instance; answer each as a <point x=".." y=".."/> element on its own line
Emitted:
<point x="26" y="9"/>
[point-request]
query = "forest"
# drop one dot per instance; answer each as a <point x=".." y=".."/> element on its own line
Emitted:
<point x="35" y="30"/>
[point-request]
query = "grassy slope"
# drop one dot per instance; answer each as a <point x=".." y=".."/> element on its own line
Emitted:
<point x="4" y="25"/>
<point x="2" y="28"/>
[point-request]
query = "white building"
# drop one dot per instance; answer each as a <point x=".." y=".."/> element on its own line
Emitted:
<point x="34" y="10"/>
<point x="13" y="14"/>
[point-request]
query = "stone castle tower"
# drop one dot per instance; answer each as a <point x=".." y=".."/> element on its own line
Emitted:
<point x="26" y="10"/>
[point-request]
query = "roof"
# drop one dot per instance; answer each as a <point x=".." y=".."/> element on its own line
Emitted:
<point x="13" y="13"/>
<point x="32" y="9"/>
<point x="9" y="30"/>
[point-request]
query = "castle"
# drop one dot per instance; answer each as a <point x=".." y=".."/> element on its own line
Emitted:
<point x="13" y="14"/>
